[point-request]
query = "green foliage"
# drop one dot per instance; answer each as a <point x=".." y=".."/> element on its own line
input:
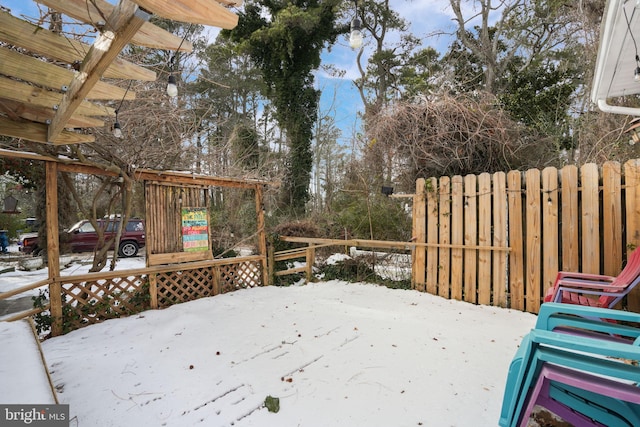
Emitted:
<point x="287" y="50"/>
<point x="358" y="270"/>
<point x="540" y="97"/>
<point x="12" y="223"/>
<point x="372" y="217"/>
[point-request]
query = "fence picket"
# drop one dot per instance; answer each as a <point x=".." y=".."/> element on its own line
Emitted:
<point x="470" y="238"/>
<point x="432" y="235"/>
<point x="457" y="232"/>
<point x="590" y="218"/>
<point x="550" y="237"/>
<point x="444" y="226"/>
<point x="612" y="218"/>
<point x="570" y="219"/>
<point x="499" y="281"/>
<point x="419" y="236"/>
<point x="632" y="199"/>
<point x="533" y="241"/>
<point x="516" y="240"/>
<point x="484" y="238"/>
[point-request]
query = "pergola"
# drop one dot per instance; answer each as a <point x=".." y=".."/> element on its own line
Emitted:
<point x="51" y="86"/>
<point x="52" y="92"/>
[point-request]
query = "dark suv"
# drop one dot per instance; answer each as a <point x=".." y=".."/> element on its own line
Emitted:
<point x="82" y="237"/>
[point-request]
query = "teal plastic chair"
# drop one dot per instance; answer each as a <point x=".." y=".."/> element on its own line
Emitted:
<point x="579" y="343"/>
<point x="593" y="355"/>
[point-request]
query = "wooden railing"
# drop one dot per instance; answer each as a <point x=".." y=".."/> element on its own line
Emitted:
<point x="94" y="297"/>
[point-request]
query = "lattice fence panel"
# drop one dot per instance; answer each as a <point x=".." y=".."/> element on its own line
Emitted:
<point x="86" y="303"/>
<point x="182" y="286"/>
<point x="238" y="276"/>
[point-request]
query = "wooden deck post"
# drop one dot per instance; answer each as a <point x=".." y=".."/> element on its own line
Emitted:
<point x="310" y="259"/>
<point x="53" y="247"/>
<point x="262" y="235"/>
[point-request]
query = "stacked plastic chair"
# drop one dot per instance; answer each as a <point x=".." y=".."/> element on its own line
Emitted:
<point x="596" y="290"/>
<point x="579" y="367"/>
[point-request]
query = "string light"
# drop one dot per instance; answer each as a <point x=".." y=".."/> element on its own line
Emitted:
<point x="117" y="128"/>
<point x="172" y="83"/>
<point x="355" y="38"/>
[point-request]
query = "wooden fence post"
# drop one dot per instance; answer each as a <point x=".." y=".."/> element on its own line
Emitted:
<point x="310" y="257"/>
<point x="153" y="290"/>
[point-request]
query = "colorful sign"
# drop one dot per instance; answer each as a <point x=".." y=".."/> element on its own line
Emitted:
<point x="195" y="229"/>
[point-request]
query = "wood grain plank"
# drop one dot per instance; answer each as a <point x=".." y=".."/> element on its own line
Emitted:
<point x="570" y="219"/>
<point x="205" y="12"/>
<point x="516" y="240"/>
<point x="533" y="236"/>
<point x="484" y="239"/>
<point x="38" y="133"/>
<point x="470" y="238"/>
<point x="96" y="12"/>
<point x="32" y="95"/>
<point x="457" y="236"/>
<point x="418" y="264"/>
<point x="432" y="235"/>
<point x="550" y="238"/>
<point x="499" y="281"/>
<point x="612" y="218"/>
<point x="590" y="218"/>
<point x="49" y="75"/>
<point x="444" y="230"/>
<point x="40" y="41"/>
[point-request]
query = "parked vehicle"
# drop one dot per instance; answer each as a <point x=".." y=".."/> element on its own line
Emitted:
<point x="82" y="237"/>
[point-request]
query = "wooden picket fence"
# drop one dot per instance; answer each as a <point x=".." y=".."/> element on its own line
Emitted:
<point x="500" y="239"/>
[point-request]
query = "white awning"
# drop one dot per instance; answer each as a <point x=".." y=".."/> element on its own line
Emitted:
<point x="616" y="63"/>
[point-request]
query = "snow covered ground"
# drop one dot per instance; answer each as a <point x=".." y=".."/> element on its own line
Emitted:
<point x="332" y="353"/>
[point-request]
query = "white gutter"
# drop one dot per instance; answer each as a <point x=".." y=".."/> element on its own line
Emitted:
<point x="617" y="109"/>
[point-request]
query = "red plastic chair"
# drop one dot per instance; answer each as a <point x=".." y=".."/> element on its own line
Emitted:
<point x="583" y="288"/>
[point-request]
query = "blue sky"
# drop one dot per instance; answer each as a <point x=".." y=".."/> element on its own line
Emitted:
<point x="426" y="18"/>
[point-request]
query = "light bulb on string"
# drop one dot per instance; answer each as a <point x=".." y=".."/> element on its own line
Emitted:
<point x="172" y="87"/>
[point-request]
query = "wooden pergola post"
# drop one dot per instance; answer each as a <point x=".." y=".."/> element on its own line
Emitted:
<point x="53" y="246"/>
<point x="262" y="235"/>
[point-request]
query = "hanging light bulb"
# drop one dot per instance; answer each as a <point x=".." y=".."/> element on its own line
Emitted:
<point x="172" y="87"/>
<point x="636" y="74"/>
<point x="355" y="39"/>
<point x="117" y="129"/>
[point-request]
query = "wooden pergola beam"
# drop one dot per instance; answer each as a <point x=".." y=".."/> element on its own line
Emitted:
<point x="53" y="77"/>
<point x="38" y="132"/>
<point x="37" y="96"/>
<point x="18" y="110"/>
<point x="124" y="22"/>
<point x="206" y="12"/>
<point x="95" y="11"/>
<point x="40" y="41"/>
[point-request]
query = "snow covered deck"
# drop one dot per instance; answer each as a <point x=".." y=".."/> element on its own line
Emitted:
<point x="23" y="376"/>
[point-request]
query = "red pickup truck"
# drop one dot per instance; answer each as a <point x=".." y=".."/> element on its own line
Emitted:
<point x="82" y="237"/>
